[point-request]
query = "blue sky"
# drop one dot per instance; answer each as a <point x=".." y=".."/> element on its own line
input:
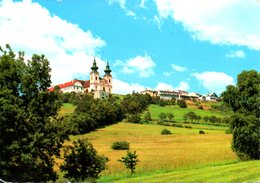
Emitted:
<point x="195" y="45"/>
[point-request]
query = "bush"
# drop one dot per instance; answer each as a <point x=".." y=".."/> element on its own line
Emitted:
<point x="187" y="126"/>
<point x="82" y="162"/>
<point x="201" y="132"/>
<point x="120" y="145"/>
<point x="200" y="107"/>
<point x="228" y="131"/>
<point x="134" y="118"/>
<point x="166" y="132"/>
<point x="182" y="103"/>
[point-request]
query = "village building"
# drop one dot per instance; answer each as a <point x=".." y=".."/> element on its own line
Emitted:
<point x="99" y="87"/>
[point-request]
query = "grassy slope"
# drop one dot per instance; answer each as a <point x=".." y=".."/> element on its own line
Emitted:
<point x="184" y="148"/>
<point x="235" y="172"/>
<point x="178" y="112"/>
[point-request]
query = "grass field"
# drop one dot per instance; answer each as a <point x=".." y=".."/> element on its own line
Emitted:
<point x="184" y="148"/>
<point x="184" y="156"/>
<point x="178" y="112"/>
<point x="234" y="172"/>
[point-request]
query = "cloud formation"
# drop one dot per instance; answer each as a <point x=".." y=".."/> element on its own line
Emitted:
<point x="143" y="65"/>
<point x="232" y="22"/>
<point x="236" y="54"/>
<point x="214" y="81"/>
<point x="122" y="87"/>
<point x="33" y="29"/>
<point x="178" y="68"/>
<point x="164" y="86"/>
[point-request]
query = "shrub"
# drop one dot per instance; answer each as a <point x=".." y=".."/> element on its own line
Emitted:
<point x="177" y="125"/>
<point x="228" y="131"/>
<point x="166" y="132"/>
<point x="187" y="126"/>
<point x="81" y="161"/>
<point x="120" y="145"/>
<point x="182" y="103"/>
<point x="201" y="132"/>
<point x="134" y="118"/>
<point x="200" y="107"/>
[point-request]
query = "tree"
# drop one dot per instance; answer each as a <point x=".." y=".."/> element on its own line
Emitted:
<point x="206" y="119"/>
<point x="185" y="117"/>
<point x="82" y="162"/>
<point x="31" y="134"/>
<point x="130" y="160"/>
<point x="182" y="103"/>
<point x="162" y="116"/>
<point x="245" y="125"/>
<point x="147" y="116"/>
<point x="170" y="116"/>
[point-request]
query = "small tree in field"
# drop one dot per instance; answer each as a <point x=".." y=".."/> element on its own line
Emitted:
<point x="82" y="162"/>
<point x="170" y="116"/>
<point x="162" y="116"/>
<point x="147" y="116"/>
<point x="130" y="160"/>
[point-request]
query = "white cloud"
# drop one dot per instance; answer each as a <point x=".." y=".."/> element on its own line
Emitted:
<point x="167" y="74"/>
<point x="214" y="81"/>
<point x="122" y="4"/>
<point x="234" y="22"/>
<point x="122" y="87"/>
<point x="142" y="4"/>
<point x="158" y="21"/>
<point x="163" y="86"/>
<point x="183" y="86"/>
<point x="143" y="65"/>
<point x="236" y="54"/>
<point x="178" y="68"/>
<point x="29" y="27"/>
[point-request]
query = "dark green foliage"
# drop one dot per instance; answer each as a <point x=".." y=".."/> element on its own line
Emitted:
<point x="91" y="114"/>
<point x="147" y="116"/>
<point x="134" y="118"/>
<point x="170" y="116"/>
<point x="166" y="132"/>
<point x="120" y="145"/>
<point x="182" y="103"/>
<point x="130" y="160"/>
<point x="206" y="119"/>
<point x="201" y="132"/>
<point x="246" y="136"/>
<point x="244" y="97"/>
<point x="245" y="124"/>
<point x="82" y="162"/>
<point x="162" y="116"/>
<point x="31" y="135"/>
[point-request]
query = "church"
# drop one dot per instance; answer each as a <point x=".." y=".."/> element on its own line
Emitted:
<point x="98" y="86"/>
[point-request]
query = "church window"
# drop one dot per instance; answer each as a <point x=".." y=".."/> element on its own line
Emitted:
<point x="104" y="89"/>
<point x="109" y="80"/>
<point x="96" y="77"/>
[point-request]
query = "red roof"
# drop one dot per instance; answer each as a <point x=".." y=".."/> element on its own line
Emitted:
<point x="85" y="84"/>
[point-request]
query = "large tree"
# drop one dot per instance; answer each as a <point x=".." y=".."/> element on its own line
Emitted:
<point x="244" y="99"/>
<point x="31" y="135"/>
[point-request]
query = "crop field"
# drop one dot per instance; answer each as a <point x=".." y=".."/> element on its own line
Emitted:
<point x="178" y="112"/>
<point x="184" y="148"/>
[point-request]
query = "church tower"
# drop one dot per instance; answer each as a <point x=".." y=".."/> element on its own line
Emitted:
<point x="108" y="79"/>
<point x="94" y="77"/>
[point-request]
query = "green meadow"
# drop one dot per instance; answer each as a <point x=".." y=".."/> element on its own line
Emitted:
<point x="184" y="156"/>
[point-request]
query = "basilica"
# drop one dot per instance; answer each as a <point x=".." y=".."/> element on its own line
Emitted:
<point x="98" y="86"/>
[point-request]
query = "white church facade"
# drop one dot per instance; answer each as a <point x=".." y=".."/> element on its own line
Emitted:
<point x="98" y="86"/>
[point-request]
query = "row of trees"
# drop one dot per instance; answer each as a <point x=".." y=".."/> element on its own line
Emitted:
<point x="193" y="117"/>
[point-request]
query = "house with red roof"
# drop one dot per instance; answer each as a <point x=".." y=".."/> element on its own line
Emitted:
<point x="99" y="87"/>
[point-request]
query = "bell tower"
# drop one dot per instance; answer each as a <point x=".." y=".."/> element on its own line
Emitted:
<point x="94" y="77"/>
<point x="108" y="78"/>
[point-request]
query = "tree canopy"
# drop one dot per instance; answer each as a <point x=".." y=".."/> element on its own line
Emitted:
<point x="245" y="124"/>
<point x="31" y="135"/>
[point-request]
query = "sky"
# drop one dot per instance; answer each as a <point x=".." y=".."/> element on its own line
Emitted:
<point x="193" y="45"/>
